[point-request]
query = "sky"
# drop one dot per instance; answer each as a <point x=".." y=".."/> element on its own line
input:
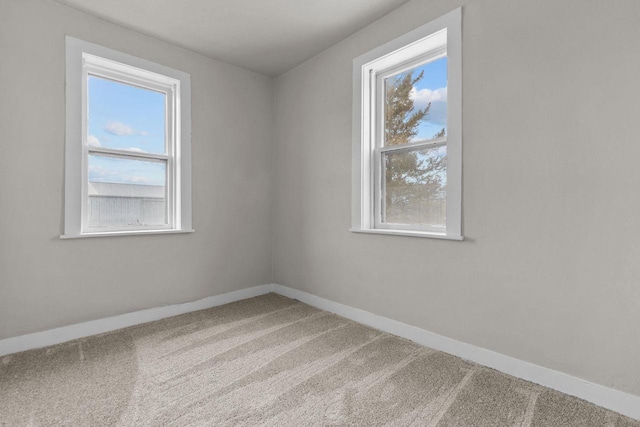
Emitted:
<point x="128" y="118"/>
<point x="431" y="88"/>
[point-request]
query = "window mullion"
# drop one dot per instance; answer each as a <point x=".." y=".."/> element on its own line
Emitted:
<point x="415" y="145"/>
<point x="170" y="147"/>
<point x="378" y="186"/>
<point x="128" y="154"/>
<point x="378" y="107"/>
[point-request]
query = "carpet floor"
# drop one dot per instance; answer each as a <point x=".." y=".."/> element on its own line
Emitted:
<point x="270" y="361"/>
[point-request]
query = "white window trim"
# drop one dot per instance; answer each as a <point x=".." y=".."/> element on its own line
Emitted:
<point x="82" y="57"/>
<point x="399" y="54"/>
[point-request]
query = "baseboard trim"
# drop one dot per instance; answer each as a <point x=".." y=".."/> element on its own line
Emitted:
<point x="615" y="400"/>
<point x="108" y="324"/>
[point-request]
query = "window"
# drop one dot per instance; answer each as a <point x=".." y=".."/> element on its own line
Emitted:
<point x="407" y="158"/>
<point x="128" y="148"/>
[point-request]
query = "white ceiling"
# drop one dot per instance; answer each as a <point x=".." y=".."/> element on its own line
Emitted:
<point x="267" y="36"/>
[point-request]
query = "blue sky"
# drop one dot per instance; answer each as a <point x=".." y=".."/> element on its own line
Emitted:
<point x="431" y="88"/>
<point x="129" y="118"/>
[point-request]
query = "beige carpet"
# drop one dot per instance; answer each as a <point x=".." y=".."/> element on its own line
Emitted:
<point x="270" y="361"/>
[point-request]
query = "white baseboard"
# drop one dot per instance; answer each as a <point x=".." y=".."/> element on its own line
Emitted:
<point x="615" y="400"/>
<point x="108" y="324"/>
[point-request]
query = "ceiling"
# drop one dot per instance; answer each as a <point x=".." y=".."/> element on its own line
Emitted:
<point x="267" y="36"/>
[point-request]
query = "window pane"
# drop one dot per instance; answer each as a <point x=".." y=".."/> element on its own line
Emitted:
<point x="125" y="117"/>
<point x="125" y="192"/>
<point x="416" y="104"/>
<point x="414" y="187"/>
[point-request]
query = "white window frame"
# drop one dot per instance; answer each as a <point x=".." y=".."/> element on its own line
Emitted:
<point x="84" y="59"/>
<point x="424" y="44"/>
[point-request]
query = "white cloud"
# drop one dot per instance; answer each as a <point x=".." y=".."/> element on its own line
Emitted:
<point x="119" y="128"/>
<point x="92" y="141"/>
<point x="438" y="98"/>
<point x="421" y="98"/>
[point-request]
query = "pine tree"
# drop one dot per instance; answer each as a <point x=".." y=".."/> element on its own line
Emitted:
<point x="401" y="121"/>
<point x="410" y="180"/>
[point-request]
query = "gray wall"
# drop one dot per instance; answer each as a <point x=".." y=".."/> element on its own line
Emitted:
<point x="46" y="282"/>
<point x="549" y="271"/>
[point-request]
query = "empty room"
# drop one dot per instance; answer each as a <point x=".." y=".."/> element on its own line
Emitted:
<point x="320" y="213"/>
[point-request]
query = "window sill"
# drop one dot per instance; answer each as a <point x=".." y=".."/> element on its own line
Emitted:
<point x="124" y="233"/>
<point x="408" y="233"/>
